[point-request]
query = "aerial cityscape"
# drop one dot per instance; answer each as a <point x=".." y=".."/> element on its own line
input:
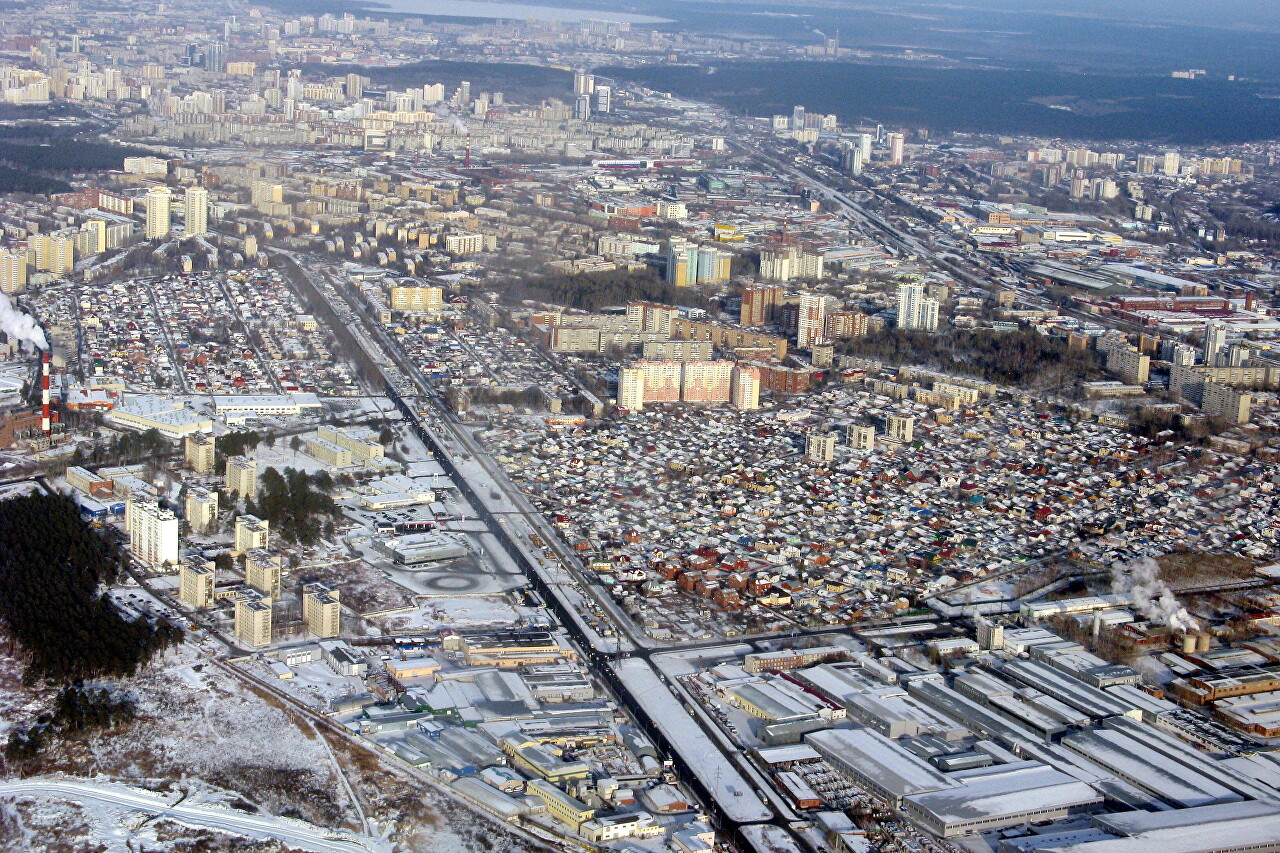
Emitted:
<point x="645" y="427"/>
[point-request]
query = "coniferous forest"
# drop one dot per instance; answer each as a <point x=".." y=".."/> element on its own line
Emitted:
<point x="52" y="569"/>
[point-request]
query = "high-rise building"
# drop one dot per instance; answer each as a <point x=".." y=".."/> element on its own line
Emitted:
<point x="820" y="446"/>
<point x="584" y="83"/>
<point x="582" y="107"/>
<point x="1172" y="163"/>
<point x="690" y="264"/>
<point x="914" y="310"/>
<point x="1215" y="342"/>
<point x="158" y="203"/>
<point x="242" y="476"/>
<point x="416" y="299"/>
<point x="864" y="142"/>
<point x="54" y="253"/>
<point x="354" y="86"/>
<point x="153" y="534"/>
<point x="202" y="510"/>
<point x="604" y="99"/>
<point x="662" y="380"/>
<point x="13" y="272"/>
<point x="195" y="211"/>
<point x="811" y="324"/>
<point x="631" y="388"/>
<point x="215" y="57"/>
<point x="846" y="324"/>
<point x="897" y="149"/>
<point x="198" y="452"/>
<point x="251" y="532"/>
<point x="652" y="316"/>
<point x="706" y="381"/>
<point x="647" y="382"/>
<point x="822" y="354"/>
<point x="851" y="159"/>
<point x="758" y="304"/>
<point x="262" y="569"/>
<point x="797" y="117"/>
<point x="1222" y="401"/>
<point x="93" y="237"/>
<point x="197" y="578"/>
<point x="1129" y="364"/>
<point x="789" y="262"/>
<point x="900" y="427"/>
<point x="744" y="390"/>
<point x="322" y="609"/>
<point x="264" y="193"/>
<point x="861" y="436"/>
<point x="253" y="617"/>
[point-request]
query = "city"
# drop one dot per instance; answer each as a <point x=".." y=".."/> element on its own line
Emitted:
<point x="474" y="426"/>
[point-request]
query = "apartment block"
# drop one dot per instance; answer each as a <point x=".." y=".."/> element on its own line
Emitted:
<point x="252" y="618"/>
<point x="196" y="580"/>
<point x="262" y="570"/>
<point x="322" y="610"/>
<point x="198" y="452"/>
<point x="251" y="532"/>
<point x="201" y="509"/>
<point x="153" y="534"/>
<point x="242" y="476"/>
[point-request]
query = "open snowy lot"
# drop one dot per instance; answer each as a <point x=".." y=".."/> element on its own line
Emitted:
<point x="205" y="736"/>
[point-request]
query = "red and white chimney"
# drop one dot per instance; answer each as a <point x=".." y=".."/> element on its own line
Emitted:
<point x="46" y="421"/>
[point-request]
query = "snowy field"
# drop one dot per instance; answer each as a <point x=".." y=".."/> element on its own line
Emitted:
<point x="203" y="734"/>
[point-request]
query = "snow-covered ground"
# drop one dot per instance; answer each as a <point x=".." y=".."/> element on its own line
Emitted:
<point x="469" y="612"/>
<point x="203" y="733"/>
<point x="118" y="816"/>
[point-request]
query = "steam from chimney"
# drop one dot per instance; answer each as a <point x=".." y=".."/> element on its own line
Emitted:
<point x="20" y="326"/>
<point x="1149" y="595"/>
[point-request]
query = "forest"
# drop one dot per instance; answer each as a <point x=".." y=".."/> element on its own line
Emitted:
<point x="593" y="291"/>
<point x="52" y="568"/>
<point x="67" y="155"/>
<point x="1024" y="358"/>
<point x="297" y="504"/>
<point x="17" y="181"/>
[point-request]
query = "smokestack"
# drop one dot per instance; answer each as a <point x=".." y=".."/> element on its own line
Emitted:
<point x="1188" y="644"/>
<point x="466" y="159"/>
<point x="46" y="422"/>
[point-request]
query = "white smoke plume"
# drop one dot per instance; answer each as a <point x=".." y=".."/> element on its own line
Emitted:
<point x="19" y="326"/>
<point x="459" y="125"/>
<point x="1151" y="596"/>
